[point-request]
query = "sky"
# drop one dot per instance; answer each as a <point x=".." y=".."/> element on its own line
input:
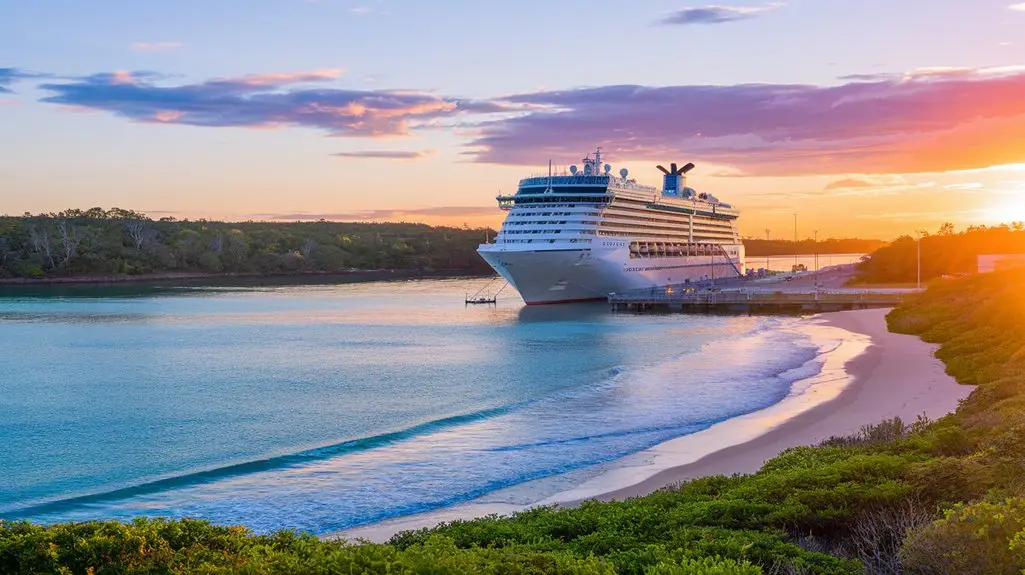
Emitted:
<point x="868" y="118"/>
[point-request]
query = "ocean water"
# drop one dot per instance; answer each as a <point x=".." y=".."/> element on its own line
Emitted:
<point x="326" y="407"/>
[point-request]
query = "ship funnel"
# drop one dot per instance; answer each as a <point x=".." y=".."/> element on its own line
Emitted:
<point x="673" y="171"/>
<point x="673" y="182"/>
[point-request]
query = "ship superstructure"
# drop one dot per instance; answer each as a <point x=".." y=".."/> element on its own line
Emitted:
<point x="587" y="233"/>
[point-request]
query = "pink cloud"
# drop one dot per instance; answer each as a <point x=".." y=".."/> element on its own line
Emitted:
<point x="291" y="78"/>
<point x="260" y="101"/>
<point x="930" y="120"/>
<point x="167" y="116"/>
<point x="155" y="46"/>
<point x="386" y="154"/>
<point x="122" y="77"/>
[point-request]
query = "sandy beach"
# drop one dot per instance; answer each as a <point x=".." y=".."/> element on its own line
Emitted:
<point x="890" y="375"/>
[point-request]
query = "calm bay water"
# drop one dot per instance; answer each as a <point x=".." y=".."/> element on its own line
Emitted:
<point x="326" y="407"/>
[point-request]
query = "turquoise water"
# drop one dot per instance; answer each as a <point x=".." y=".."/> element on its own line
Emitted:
<point x="327" y="407"/>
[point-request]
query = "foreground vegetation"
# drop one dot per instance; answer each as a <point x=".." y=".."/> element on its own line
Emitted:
<point x="944" y="253"/>
<point x="114" y="242"/>
<point x="939" y="497"/>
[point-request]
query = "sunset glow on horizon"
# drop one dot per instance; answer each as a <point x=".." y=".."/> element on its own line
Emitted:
<point x="865" y="119"/>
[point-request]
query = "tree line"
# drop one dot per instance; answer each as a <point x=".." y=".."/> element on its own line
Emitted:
<point x="755" y="247"/>
<point x="944" y="253"/>
<point x="99" y="242"/>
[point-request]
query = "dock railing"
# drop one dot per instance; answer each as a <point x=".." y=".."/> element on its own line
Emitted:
<point x="760" y="296"/>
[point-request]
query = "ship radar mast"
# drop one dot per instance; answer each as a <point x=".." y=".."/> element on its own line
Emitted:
<point x="592" y="166"/>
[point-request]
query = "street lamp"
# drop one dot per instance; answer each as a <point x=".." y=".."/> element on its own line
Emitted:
<point x="918" y="256"/>
<point x="767" y="250"/>
<point x="795" y="242"/>
<point x="816" y="235"/>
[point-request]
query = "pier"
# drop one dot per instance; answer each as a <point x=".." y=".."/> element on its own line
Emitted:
<point x="752" y="300"/>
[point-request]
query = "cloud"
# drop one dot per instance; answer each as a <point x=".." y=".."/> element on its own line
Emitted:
<point x="9" y="76"/>
<point x="359" y="10"/>
<point x="261" y="101"/>
<point x="861" y="182"/>
<point x="386" y="154"/>
<point x="1019" y="7"/>
<point x="866" y="77"/>
<point x="964" y="186"/>
<point x="927" y="121"/>
<point x="714" y="14"/>
<point x="390" y="214"/>
<point x="155" y="46"/>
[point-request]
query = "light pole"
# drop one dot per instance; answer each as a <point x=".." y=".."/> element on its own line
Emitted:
<point x="918" y="257"/>
<point x="795" y="242"/>
<point x="767" y="249"/>
<point x="816" y="234"/>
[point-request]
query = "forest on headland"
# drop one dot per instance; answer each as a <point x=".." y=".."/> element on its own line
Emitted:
<point x="922" y="498"/>
<point x="118" y="242"/>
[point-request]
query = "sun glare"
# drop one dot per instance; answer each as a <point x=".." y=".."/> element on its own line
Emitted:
<point x="1009" y="209"/>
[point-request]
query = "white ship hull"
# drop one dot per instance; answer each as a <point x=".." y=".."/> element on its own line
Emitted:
<point x="586" y="234"/>
<point x="548" y="276"/>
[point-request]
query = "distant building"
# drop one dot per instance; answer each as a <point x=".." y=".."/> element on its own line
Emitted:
<point x="992" y="263"/>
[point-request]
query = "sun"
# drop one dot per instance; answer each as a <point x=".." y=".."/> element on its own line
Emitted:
<point x="1009" y="208"/>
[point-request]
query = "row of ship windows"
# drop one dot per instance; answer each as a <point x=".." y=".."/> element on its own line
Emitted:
<point x="703" y="237"/>
<point x="607" y="231"/>
<point x="572" y="241"/>
<point x="546" y="205"/>
<point x="665" y="250"/>
<point x="665" y="229"/>
<point x="516" y="232"/>
<point x="658" y="230"/>
<point x="614" y="220"/>
<point x="537" y="222"/>
<point x="629" y="210"/>
<point x="683" y="220"/>
<point x="533" y="213"/>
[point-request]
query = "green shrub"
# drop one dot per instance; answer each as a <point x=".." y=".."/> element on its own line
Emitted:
<point x="706" y="566"/>
<point x="984" y="539"/>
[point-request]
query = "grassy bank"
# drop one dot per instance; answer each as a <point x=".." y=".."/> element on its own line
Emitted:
<point x="939" y="497"/>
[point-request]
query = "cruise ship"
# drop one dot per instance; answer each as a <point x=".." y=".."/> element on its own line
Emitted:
<point x="587" y="233"/>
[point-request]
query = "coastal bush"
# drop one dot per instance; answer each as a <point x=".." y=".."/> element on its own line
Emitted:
<point x="886" y="431"/>
<point x="980" y="539"/>
<point x="706" y="566"/>
<point x="160" y="546"/>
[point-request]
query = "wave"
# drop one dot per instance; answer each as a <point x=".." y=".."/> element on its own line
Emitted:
<point x="258" y="465"/>
<point x="684" y="427"/>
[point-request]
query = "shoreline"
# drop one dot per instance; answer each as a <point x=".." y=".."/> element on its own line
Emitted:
<point x="895" y="375"/>
<point x="252" y="277"/>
